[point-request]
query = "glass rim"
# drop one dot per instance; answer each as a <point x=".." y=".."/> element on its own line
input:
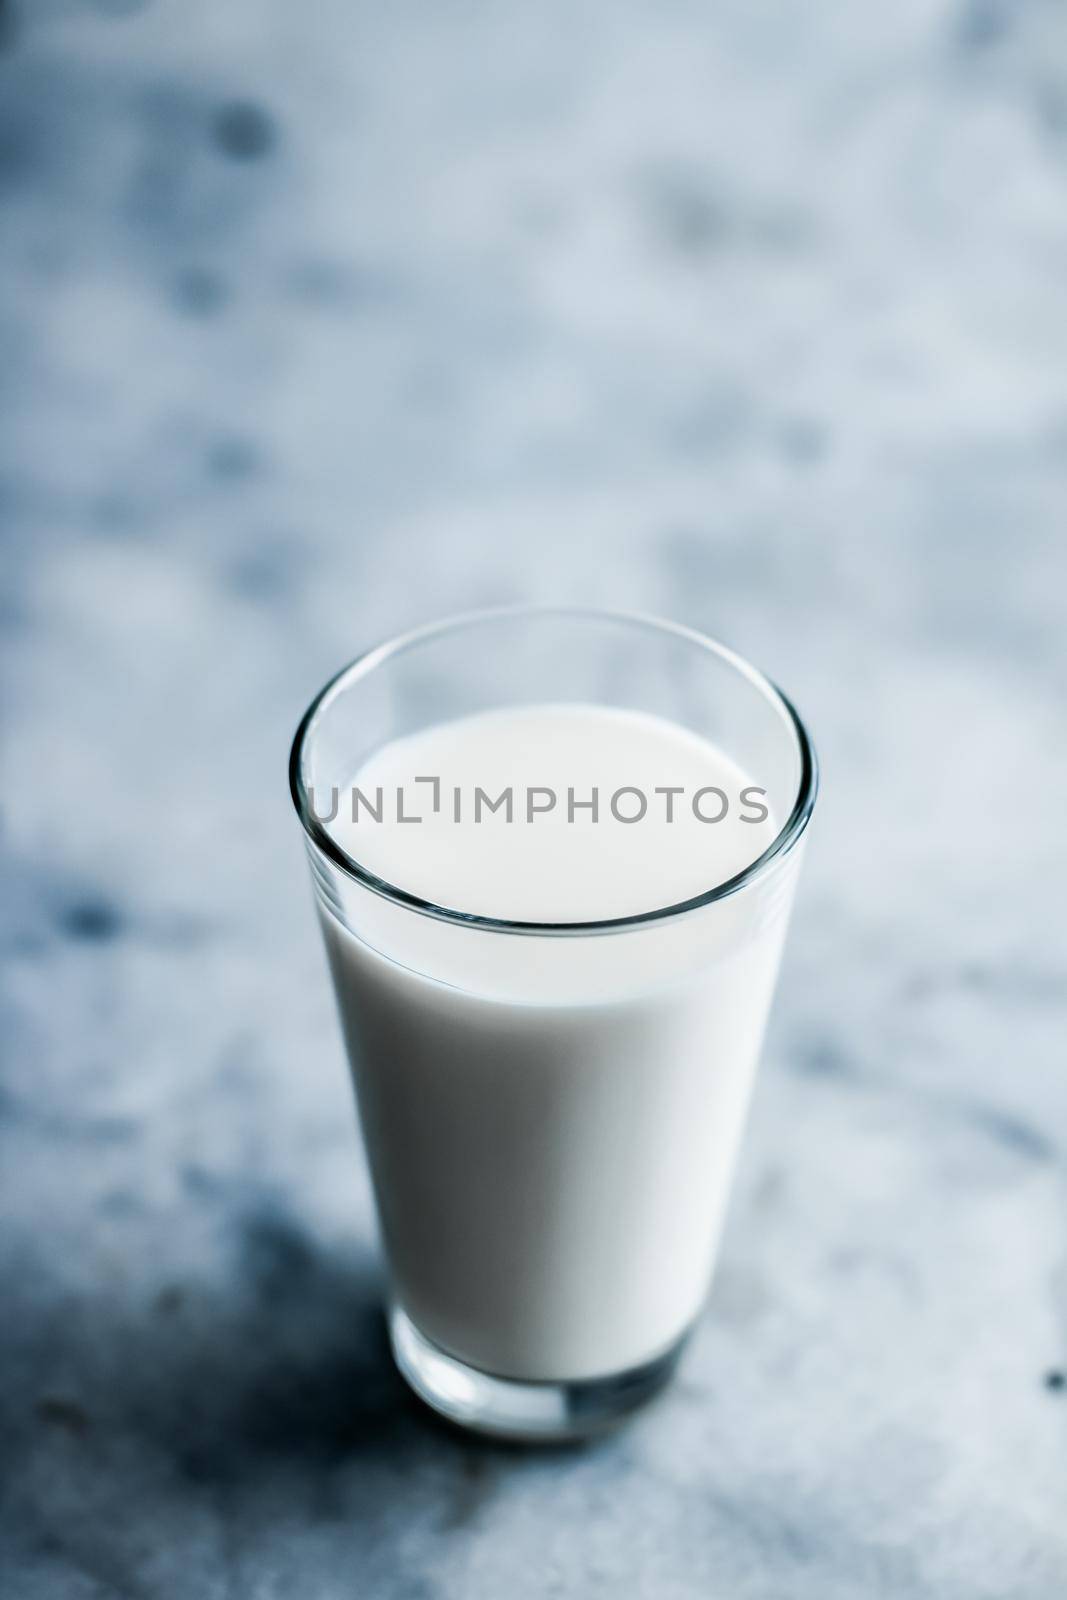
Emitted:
<point x="364" y="664"/>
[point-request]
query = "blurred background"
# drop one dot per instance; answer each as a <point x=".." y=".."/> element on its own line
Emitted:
<point x="320" y="321"/>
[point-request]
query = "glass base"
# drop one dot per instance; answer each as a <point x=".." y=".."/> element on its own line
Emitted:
<point x="510" y="1408"/>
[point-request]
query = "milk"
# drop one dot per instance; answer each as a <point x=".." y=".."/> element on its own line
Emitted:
<point x="552" y="1120"/>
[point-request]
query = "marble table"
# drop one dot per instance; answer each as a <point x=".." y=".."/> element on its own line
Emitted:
<point x="318" y="321"/>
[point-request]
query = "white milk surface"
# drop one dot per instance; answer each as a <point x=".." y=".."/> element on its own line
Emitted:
<point x="552" y="1121"/>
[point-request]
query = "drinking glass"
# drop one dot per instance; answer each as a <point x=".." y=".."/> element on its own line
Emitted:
<point x="551" y="1110"/>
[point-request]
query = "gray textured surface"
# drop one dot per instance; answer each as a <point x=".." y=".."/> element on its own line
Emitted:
<point x="318" y="321"/>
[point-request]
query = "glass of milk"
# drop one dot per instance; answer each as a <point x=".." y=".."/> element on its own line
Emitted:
<point x="553" y="853"/>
